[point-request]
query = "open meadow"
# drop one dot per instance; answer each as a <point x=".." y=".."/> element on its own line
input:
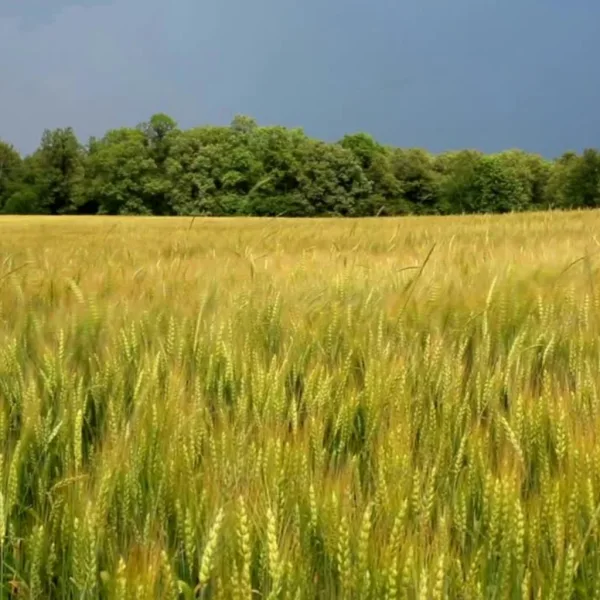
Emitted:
<point x="300" y="409"/>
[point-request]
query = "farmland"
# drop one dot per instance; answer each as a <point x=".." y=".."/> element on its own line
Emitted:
<point x="373" y="408"/>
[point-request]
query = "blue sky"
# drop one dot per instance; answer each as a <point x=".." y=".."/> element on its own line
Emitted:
<point x="437" y="74"/>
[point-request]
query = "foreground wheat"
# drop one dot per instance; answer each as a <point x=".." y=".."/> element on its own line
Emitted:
<point x="310" y="409"/>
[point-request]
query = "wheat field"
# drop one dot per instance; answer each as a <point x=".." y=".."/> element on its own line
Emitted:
<point x="246" y="408"/>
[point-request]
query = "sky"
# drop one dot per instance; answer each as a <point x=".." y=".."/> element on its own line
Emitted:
<point x="435" y="74"/>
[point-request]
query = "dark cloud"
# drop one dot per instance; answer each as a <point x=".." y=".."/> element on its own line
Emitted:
<point x="430" y="73"/>
<point x="32" y="13"/>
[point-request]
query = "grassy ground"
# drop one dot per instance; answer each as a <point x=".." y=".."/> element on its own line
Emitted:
<point x="300" y="409"/>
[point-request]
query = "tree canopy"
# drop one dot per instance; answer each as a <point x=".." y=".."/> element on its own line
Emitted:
<point x="157" y="168"/>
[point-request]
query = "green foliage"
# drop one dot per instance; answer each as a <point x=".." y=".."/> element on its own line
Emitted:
<point x="375" y="161"/>
<point x="583" y="186"/>
<point x="51" y="181"/>
<point x="28" y="191"/>
<point x="560" y="182"/>
<point x="457" y="175"/>
<point x="161" y="132"/>
<point x="497" y="186"/>
<point x="189" y="171"/>
<point x="331" y="179"/>
<point x="279" y="151"/>
<point x="59" y="172"/>
<point x="10" y="172"/>
<point x="538" y="173"/>
<point x="122" y="177"/>
<point x="247" y="169"/>
<point x="420" y="182"/>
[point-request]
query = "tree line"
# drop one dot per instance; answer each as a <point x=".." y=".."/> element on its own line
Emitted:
<point x="157" y="168"/>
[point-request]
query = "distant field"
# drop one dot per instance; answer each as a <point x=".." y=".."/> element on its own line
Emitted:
<point x="255" y="408"/>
